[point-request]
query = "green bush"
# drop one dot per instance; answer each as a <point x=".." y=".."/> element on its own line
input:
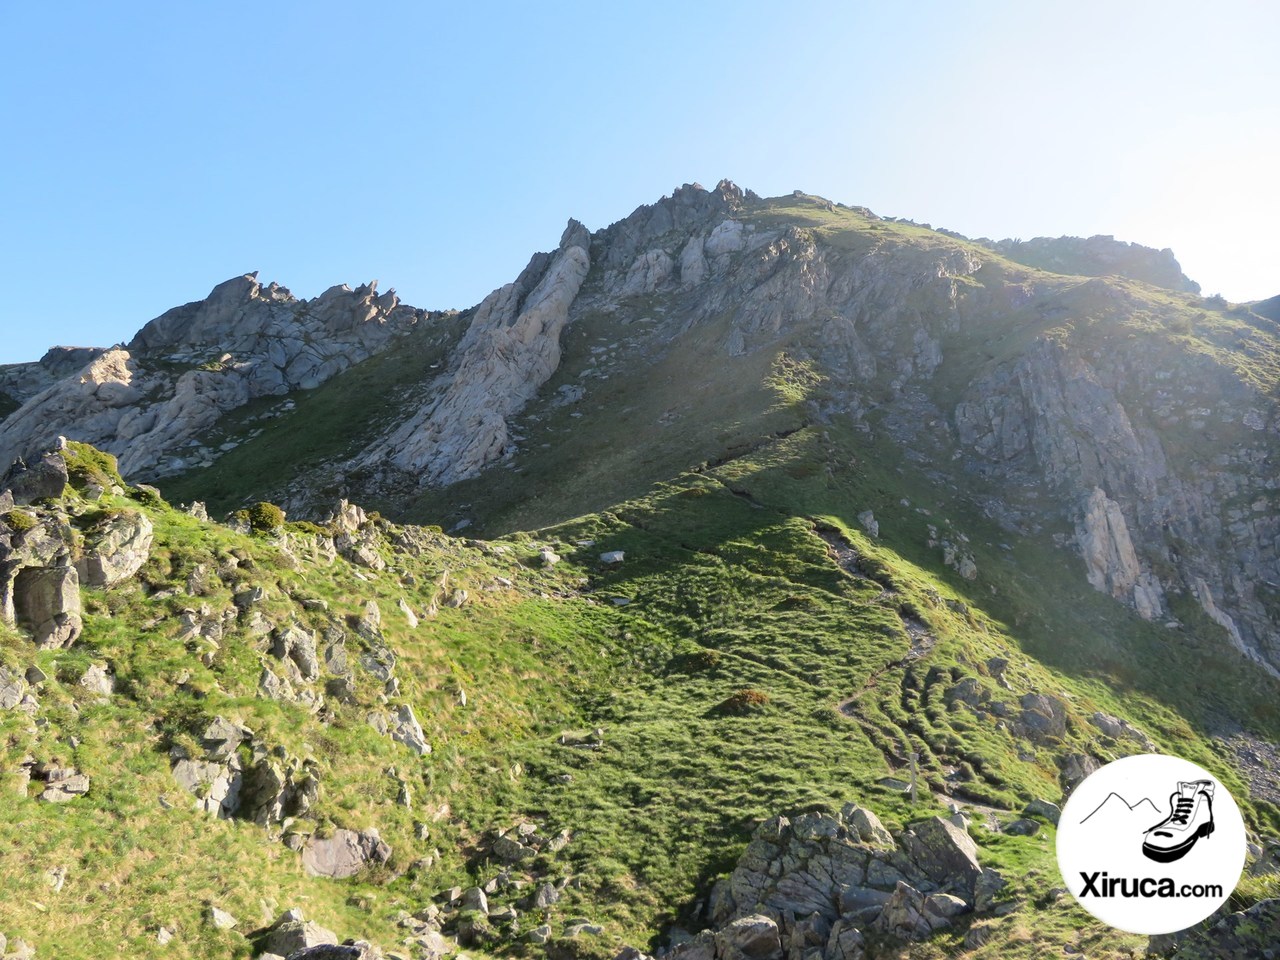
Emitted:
<point x="265" y="517"/>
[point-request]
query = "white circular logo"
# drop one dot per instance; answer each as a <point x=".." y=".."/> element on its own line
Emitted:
<point x="1151" y="844"/>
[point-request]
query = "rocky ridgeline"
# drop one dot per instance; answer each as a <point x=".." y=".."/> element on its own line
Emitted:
<point x="1099" y="256"/>
<point x="151" y="402"/>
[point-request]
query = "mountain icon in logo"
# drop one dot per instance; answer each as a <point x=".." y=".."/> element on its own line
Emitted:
<point x="1117" y="808"/>
<point x="1190" y="818"/>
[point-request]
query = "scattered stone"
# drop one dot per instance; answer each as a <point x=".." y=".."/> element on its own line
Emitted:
<point x="291" y="933"/>
<point x="540" y="934"/>
<point x="1043" y="809"/>
<point x="867" y="520"/>
<point x="97" y="681"/>
<point x="612" y="557"/>
<point x="408" y="731"/>
<point x="221" y="919"/>
<point x="344" y="854"/>
<point x="548" y="557"/>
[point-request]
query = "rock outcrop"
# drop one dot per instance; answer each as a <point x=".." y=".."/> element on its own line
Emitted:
<point x="150" y="403"/>
<point x="510" y="350"/>
<point x="813" y="886"/>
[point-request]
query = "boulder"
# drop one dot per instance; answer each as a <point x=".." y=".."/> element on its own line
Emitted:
<point x="866" y="826"/>
<point x="46" y="601"/>
<point x="845" y="942"/>
<point x="1247" y="935"/>
<point x="354" y="950"/>
<point x="510" y="850"/>
<point x="294" y="645"/>
<point x="1074" y="768"/>
<point x="1043" y="809"/>
<point x="221" y="919"/>
<point x="1043" y="717"/>
<point x="98" y="681"/>
<point x="749" y="938"/>
<point x="45" y="479"/>
<point x="291" y="933"/>
<point x="408" y="731"/>
<point x="63" y="784"/>
<point x="989" y="884"/>
<point x="1022" y="827"/>
<point x="216" y="786"/>
<point x="903" y="914"/>
<point x="12" y="688"/>
<point x="116" y="549"/>
<point x="944" y="853"/>
<point x="344" y="854"/>
<point x="1265" y="863"/>
<point x="221" y="738"/>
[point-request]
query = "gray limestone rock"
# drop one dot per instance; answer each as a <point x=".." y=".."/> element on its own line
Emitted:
<point x="44" y="478"/>
<point x="511" y="348"/>
<point x="944" y="853"/>
<point x="408" y="731"/>
<point x="115" y="549"/>
<point x="46" y="600"/>
<point x="752" y="937"/>
<point x="291" y="933"/>
<point x="344" y="854"/>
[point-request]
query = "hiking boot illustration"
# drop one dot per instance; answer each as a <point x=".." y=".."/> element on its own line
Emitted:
<point x="1190" y="818"/>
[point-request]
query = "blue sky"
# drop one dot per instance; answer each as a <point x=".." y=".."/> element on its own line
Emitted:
<point x="154" y="150"/>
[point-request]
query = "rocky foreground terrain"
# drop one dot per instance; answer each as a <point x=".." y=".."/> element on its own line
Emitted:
<point x="606" y="615"/>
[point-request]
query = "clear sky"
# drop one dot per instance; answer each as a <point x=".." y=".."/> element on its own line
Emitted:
<point x="152" y="150"/>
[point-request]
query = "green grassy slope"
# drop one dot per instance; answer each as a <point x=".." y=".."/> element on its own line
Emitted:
<point x="729" y="585"/>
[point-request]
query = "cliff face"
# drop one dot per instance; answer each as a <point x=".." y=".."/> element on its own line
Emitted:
<point x="1135" y="425"/>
